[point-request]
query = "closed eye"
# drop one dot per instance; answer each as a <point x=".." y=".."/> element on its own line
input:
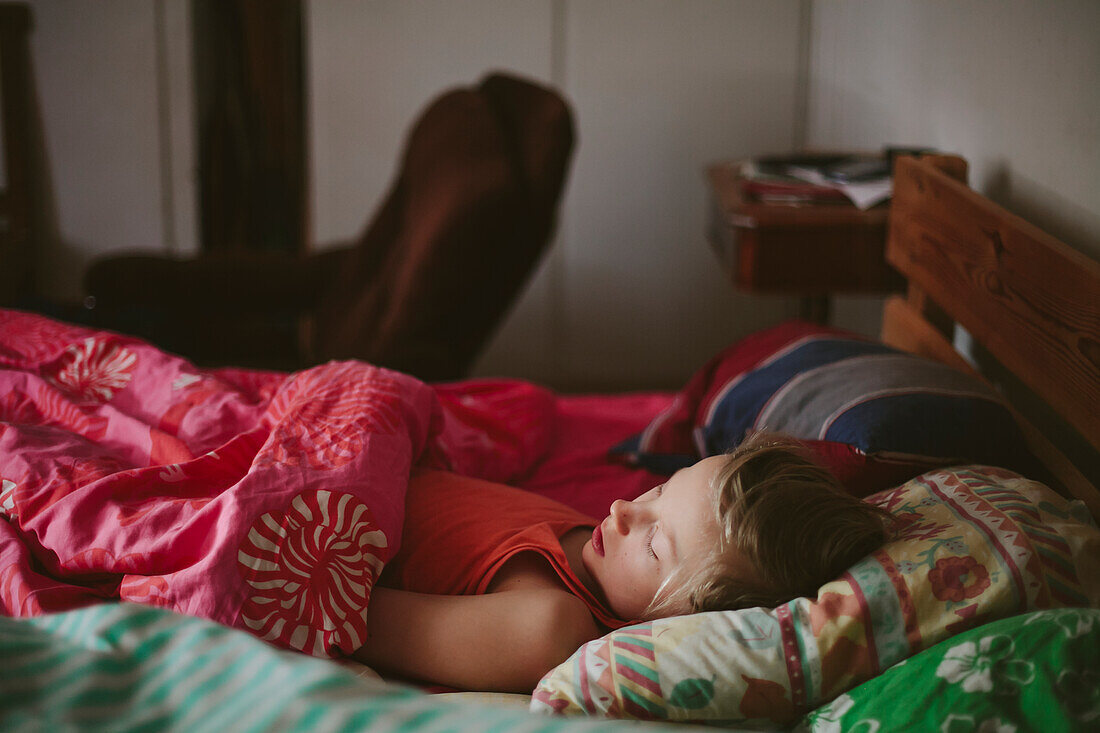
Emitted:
<point x="649" y="543"/>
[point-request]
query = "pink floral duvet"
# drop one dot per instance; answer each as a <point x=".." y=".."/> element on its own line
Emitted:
<point x="260" y="500"/>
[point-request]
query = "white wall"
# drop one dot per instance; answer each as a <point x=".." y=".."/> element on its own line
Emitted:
<point x="112" y="81"/>
<point x="1012" y="85"/>
<point x="373" y="66"/>
<point x="660" y="90"/>
<point x="630" y="295"/>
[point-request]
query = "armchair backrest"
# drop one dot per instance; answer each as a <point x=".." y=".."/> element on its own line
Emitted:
<point x="472" y="208"/>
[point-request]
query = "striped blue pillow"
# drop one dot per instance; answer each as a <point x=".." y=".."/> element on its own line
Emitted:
<point x="861" y="393"/>
<point x="896" y="414"/>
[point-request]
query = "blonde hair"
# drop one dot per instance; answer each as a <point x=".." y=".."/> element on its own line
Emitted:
<point x="785" y="517"/>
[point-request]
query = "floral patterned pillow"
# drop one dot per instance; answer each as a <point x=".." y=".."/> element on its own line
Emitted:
<point x="973" y="544"/>
<point x="1037" y="671"/>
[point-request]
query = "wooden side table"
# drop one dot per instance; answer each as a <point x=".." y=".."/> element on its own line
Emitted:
<point x="808" y="250"/>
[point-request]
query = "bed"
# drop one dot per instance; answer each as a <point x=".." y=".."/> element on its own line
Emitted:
<point x="130" y="475"/>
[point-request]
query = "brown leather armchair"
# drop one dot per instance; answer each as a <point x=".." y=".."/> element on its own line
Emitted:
<point x="424" y="286"/>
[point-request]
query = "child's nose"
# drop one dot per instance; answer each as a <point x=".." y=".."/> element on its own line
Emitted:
<point x="620" y="516"/>
<point x="624" y="515"/>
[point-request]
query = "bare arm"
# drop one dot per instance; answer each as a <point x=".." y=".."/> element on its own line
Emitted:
<point x="504" y="641"/>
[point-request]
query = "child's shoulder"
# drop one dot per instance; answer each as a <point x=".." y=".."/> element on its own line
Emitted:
<point x="524" y="571"/>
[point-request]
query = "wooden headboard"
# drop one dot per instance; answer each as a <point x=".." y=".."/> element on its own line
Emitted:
<point x="1029" y="301"/>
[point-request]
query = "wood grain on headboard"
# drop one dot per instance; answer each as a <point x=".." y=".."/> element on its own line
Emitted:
<point x="1031" y="301"/>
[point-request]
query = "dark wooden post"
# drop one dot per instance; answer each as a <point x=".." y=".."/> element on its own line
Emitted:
<point x="250" y="97"/>
<point x="17" y="242"/>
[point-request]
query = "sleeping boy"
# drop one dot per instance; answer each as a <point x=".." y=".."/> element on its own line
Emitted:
<point x="495" y="586"/>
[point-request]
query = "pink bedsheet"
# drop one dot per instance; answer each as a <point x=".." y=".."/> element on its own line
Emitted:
<point x="575" y="469"/>
<point x="261" y="500"/>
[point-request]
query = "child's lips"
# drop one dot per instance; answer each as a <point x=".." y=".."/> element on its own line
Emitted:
<point x="597" y="539"/>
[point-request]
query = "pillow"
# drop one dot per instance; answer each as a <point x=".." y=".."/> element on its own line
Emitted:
<point x="1037" y="671"/>
<point x="972" y="544"/>
<point x="874" y="415"/>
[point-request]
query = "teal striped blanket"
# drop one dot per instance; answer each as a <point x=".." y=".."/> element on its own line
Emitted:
<point x="133" y="668"/>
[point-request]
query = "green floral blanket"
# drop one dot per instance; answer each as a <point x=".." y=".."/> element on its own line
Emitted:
<point x="1035" y="672"/>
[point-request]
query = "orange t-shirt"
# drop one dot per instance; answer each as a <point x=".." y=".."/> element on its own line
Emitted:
<point x="459" y="532"/>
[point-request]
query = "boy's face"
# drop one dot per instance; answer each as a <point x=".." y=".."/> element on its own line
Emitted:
<point x="642" y="542"/>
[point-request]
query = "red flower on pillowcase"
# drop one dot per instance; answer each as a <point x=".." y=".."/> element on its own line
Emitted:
<point x="958" y="578"/>
<point x="311" y="570"/>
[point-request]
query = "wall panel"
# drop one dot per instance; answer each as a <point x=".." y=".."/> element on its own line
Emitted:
<point x="662" y="89"/>
<point x="1013" y="86"/>
<point x="95" y="76"/>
